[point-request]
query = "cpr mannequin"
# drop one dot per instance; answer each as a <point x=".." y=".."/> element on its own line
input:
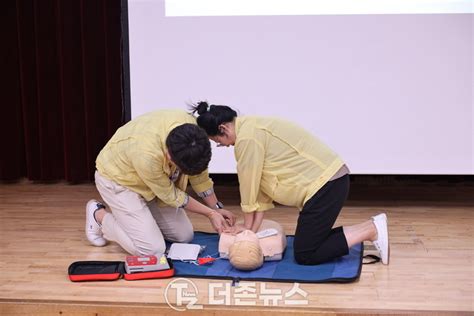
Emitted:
<point x="246" y="251"/>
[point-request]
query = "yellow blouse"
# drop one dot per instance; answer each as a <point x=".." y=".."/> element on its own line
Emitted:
<point x="135" y="157"/>
<point x="279" y="161"/>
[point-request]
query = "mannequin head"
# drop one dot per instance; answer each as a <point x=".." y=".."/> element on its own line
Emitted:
<point x="245" y="253"/>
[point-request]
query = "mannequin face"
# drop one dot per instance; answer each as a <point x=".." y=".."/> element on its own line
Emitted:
<point x="227" y="135"/>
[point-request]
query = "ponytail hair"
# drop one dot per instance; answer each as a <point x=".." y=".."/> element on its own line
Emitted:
<point x="211" y="116"/>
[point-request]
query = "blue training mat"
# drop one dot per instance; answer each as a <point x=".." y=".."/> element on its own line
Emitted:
<point x="341" y="270"/>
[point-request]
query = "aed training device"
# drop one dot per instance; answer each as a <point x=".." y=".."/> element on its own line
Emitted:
<point x="134" y="264"/>
<point x="183" y="252"/>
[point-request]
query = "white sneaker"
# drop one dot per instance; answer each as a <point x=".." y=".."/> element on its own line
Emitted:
<point x="93" y="229"/>
<point x="382" y="243"/>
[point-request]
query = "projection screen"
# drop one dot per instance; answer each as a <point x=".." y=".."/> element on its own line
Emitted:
<point x="386" y="84"/>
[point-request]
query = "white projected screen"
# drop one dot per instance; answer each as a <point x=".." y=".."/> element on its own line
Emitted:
<point x="388" y="88"/>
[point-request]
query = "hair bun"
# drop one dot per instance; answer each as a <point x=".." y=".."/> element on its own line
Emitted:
<point x="202" y="107"/>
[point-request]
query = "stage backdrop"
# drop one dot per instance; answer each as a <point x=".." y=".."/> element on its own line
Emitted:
<point x="386" y="84"/>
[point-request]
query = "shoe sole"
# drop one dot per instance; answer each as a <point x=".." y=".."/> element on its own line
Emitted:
<point x="388" y="242"/>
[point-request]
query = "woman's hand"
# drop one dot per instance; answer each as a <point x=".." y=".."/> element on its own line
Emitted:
<point x="218" y="222"/>
<point x="229" y="216"/>
<point x="234" y="230"/>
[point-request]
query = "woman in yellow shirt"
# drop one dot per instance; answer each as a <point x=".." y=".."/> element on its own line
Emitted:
<point x="142" y="174"/>
<point x="280" y="161"/>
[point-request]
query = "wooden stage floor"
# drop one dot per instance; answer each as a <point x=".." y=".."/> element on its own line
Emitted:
<point x="431" y="269"/>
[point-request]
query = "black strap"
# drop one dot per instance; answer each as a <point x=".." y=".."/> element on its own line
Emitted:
<point x="374" y="258"/>
<point x="235" y="281"/>
<point x="99" y="206"/>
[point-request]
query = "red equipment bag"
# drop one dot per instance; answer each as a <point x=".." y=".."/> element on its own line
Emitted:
<point x="112" y="270"/>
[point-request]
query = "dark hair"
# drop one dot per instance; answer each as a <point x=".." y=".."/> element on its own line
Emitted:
<point x="189" y="148"/>
<point x="210" y="117"/>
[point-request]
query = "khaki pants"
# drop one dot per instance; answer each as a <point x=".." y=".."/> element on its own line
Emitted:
<point x="140" y="227"/>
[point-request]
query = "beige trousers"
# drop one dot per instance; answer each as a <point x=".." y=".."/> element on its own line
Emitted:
<point x="140" y="227"/>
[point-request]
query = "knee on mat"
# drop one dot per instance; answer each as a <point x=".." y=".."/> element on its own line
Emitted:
<point x="152" y="248"/>
<point x="307" y="258"/>
<point x="184" y="237"/>
<point x="300" y="258"/>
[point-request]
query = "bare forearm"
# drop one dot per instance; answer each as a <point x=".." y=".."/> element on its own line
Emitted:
<point x="216" y="218"/>
<point x="198" y="208"/>
<point x="257" y="221"/>
<point x="248" y="220"/>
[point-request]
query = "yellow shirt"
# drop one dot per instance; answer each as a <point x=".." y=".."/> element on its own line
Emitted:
<point x="135" y="157"/>
<point x="279" y="161"/>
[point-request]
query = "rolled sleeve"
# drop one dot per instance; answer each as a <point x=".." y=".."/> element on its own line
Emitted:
<point x="201" y="182"/>
<point x="264" y="202"/>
